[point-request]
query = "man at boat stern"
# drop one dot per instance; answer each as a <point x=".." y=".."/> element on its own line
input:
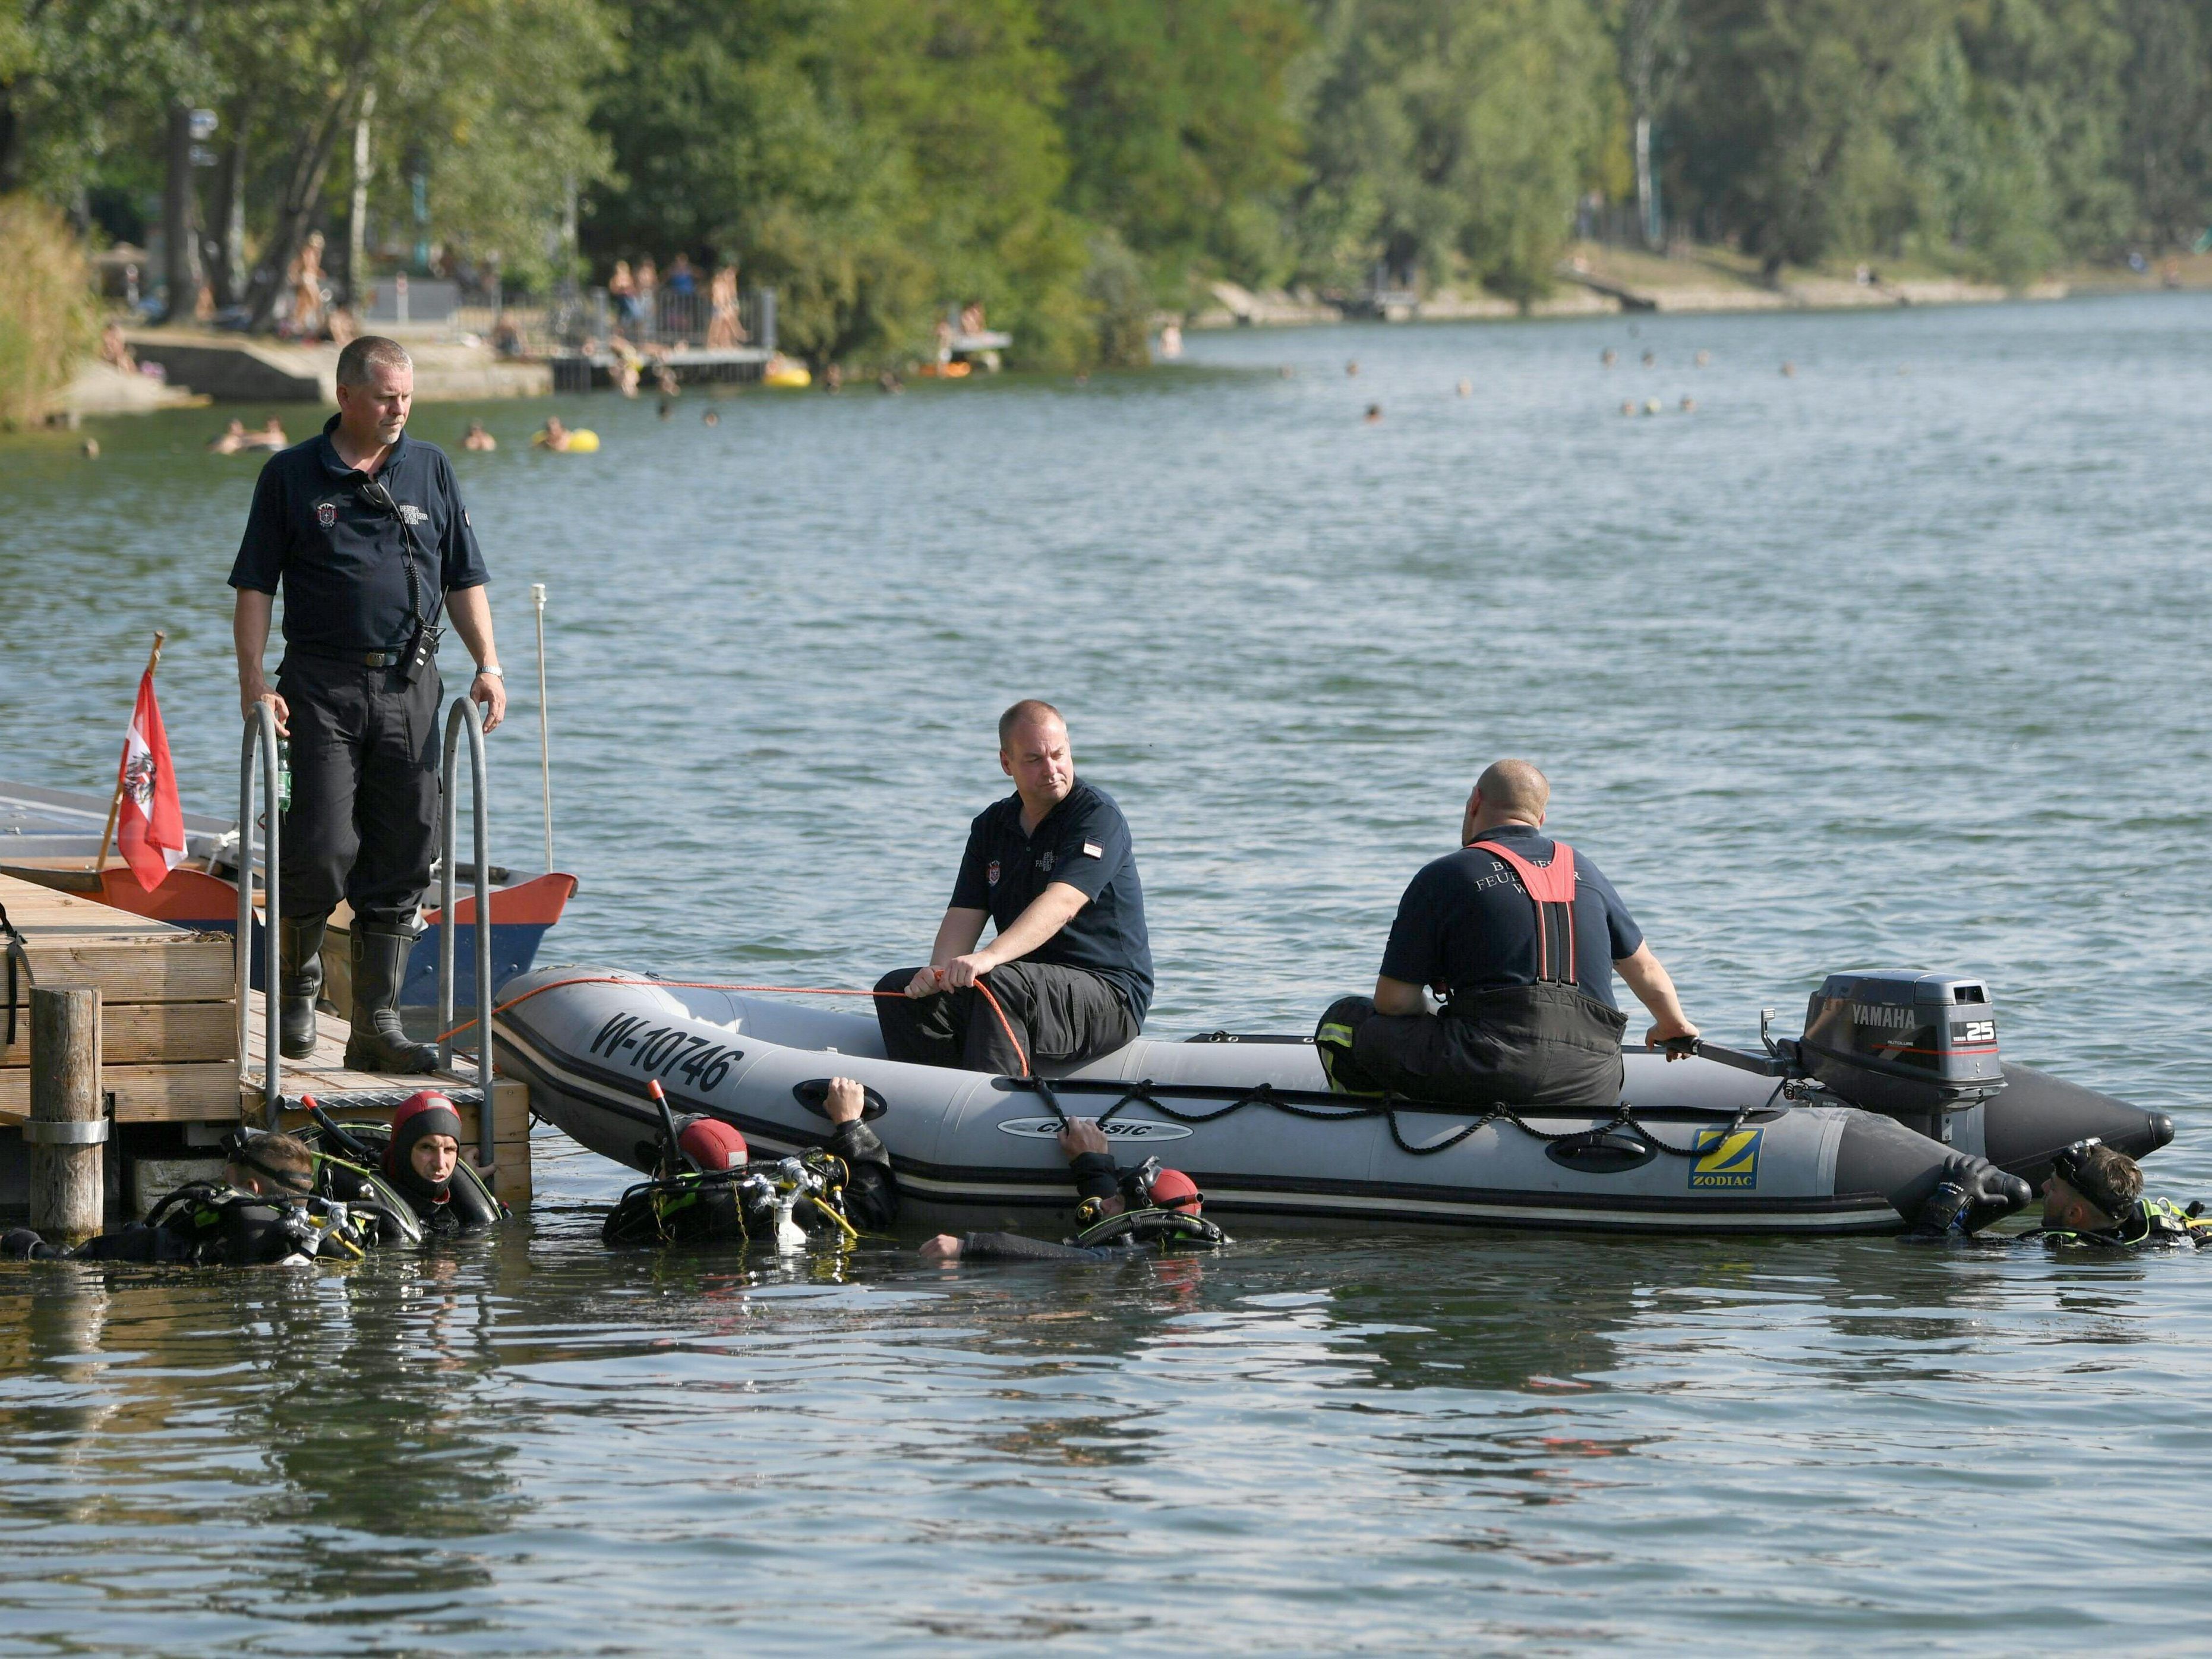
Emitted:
<point x="1069" y="971"/>
<point x="363" y="530"/>
<point x="1520" y="936"/>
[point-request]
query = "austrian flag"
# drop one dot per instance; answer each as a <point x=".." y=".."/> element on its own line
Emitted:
<point x="150" y="827"/>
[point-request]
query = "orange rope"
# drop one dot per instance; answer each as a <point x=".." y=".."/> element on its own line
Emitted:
<point x="1004" y="1024"/>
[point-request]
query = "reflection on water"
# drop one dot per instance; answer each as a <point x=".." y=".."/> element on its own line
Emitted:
<point x="1850" y="669"/>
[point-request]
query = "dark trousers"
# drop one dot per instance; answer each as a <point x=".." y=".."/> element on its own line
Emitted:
<point x="1062" y="1017"/>
<point x="1522" y="1045"/>
<point x="363" y="822"/>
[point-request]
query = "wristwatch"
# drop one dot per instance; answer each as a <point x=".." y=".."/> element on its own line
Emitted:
<point x="493" y="670"/>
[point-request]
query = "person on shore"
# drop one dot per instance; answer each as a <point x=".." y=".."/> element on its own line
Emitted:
<point x="364" y="529"/>
<point x="2094" y="1198"/>
<point x="261" y="1212"/>
<point x="232" y="438"/>
<point x="724" y="330"/>
<point x="621" y="289"/>
<point x="1120" y="1212"/>
<point x="1520" y="937"/>
<point x="699" y="1200"/>
<point x="115" y="350"/>
<point x="648" y="296"/>
<point x="1069" y="973"/>
<point x="476" y="438"/>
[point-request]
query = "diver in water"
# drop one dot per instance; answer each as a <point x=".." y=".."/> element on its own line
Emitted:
<point x="707" y="1189"/>
<point x="2093" y="1197"/>
<point x="422" y="1161"/>
<point x="1122" y="1212"/>
<point x="262" y="1212"/>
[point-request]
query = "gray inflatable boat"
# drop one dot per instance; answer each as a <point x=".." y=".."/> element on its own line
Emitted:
<point x="1895" y="1088"/>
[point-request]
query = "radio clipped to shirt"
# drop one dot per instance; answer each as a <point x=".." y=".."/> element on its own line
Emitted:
<point x="421" y="651"/>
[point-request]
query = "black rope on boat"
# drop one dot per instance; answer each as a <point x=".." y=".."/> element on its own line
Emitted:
<point x="1387" y="1108"/>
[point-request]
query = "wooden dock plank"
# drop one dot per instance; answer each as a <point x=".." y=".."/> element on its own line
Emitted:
<point x="144" y="1094"/>
<point x="145" y="1033"/>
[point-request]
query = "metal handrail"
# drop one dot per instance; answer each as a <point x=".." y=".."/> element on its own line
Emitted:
<point x="260" y="735"/>
<point x="464" y="715"/>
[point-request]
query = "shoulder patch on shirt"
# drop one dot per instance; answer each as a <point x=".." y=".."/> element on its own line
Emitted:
<point x="1092" y="849"/>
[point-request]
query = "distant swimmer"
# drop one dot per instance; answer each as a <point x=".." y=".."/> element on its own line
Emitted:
<point x="268" y="435"/>
<point x="92" y="449"/>
<point x="1285" y="372"/>
<point x="556" y="437"/>
<point x="477" y="438"/>
<point x="1789" y="369"/>
<point x="1070" y="972"/>
<point x="1466" y="388"/>
<point x="1352" y="368"/>
<point x="1628" y="405"/>
<point x="230" y="440"/>
<point x="667" y="410"/>
<point x="1521" y="936"/>
<point x="888" y="381"/>
<point x="1704" y="358"/>
<point x="1689" y="405"/>
<point x="712" y="417"/>
<point x="1374" y="414"/>
<point x="1650" y="358"/>
<point x="1608" y="357"/>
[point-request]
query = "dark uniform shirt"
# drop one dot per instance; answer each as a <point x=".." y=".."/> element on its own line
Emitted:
<point x="340" y="560"/>
<point x="1467" y="924"/>
<point x="1084" y="842"/>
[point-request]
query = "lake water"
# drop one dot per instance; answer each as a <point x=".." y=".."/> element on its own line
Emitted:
<point x="1900" y="658"/>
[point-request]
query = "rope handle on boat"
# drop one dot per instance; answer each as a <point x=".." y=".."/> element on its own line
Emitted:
<point x="1387" y="1108"/>
<point x="1004" y="1024"/>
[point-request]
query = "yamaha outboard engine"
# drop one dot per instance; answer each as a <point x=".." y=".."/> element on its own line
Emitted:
<point x="1914" y="1046"/>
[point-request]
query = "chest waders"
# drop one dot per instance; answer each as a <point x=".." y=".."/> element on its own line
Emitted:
<point x="1549" y="1043"/>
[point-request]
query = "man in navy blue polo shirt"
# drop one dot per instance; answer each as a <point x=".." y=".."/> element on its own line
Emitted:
<point x="1070" y="968"/>
<point x="1521" y="936"/>
<point x="363" y="529"/>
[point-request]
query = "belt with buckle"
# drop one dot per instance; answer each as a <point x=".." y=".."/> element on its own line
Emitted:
<point x="352" y="659"/>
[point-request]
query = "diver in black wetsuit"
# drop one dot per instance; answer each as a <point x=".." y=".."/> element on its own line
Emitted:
<point x="2093" y="1199"/>
<point x="1125" y="1213"/>
<point x="262" y="1213"/>
<point x="701" y="1194"/>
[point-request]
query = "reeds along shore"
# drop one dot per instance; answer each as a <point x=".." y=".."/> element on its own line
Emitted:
<point x="47" y="320"/>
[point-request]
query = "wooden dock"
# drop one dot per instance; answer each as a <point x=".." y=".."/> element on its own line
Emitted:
<point x="169" y="1064"/>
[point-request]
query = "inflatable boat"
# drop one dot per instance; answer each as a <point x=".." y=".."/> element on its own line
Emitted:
<point x="1895" y="1088"/>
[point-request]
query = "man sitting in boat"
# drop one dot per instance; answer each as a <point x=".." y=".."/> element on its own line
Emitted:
<point x="2094" y="1196"/>
<point x="1520" y="937"/>
<point x="1070" y="970"/>
<point x="261" y="1213"/>
<point x="1121" y="1212"/>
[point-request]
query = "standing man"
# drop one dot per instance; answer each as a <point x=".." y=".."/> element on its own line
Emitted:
<point x="364" y="529"/>
<point x="1522" y="937"/>
<point x="1070" y="967"/>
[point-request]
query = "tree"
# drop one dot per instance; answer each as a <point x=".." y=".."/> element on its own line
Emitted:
<point x="1452" y="133"/>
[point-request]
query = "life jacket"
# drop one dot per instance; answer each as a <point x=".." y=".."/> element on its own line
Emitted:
<point x="1551" y="888"/>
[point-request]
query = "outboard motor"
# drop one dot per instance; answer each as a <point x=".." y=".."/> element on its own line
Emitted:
<point x="1912" y="1045"/>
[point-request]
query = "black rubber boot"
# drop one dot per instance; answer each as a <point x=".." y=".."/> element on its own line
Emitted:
<point x="301" y="939"/>
<point x="379" y="1042"/>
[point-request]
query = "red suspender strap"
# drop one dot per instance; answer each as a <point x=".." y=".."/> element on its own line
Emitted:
<point x="1551" y="883"/>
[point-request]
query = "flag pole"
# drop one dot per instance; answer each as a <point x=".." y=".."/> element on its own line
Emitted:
<point x="115" y="806"/>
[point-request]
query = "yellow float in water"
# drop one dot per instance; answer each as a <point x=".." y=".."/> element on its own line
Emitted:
<point x="581" y="441"/>
<point x="781" y="371"/>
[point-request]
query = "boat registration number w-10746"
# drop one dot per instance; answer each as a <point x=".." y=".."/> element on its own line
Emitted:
<point x="665" y="1050"/>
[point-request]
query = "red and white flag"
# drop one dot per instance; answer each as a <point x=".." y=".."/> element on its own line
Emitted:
<point x="150" y="828"/>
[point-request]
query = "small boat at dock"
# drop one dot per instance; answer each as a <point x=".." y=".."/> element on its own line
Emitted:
<point x="1725" y="1145"/>
<point x="52" y="837"/>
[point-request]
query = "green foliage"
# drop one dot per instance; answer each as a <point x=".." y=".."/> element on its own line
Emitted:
<point x="1453" y="134"/>
<point x="46" y="315"/>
